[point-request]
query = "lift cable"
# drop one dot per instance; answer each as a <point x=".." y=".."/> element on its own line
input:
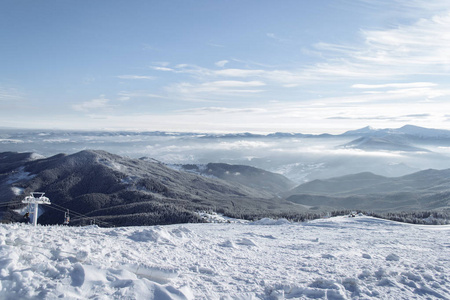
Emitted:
<point x="78" y="215"/>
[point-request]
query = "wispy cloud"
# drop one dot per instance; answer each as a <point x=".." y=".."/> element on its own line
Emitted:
<point x="138" y="77"/>
<point x="221" y="63"/>
<point x="394" y="85"/>
<point x="285" y="77"/>
<point x="126" y="95"/>
<point x="397" y="118"/>
<point x="98" y="104"/>
<point x="232" y="84"/>
<point x="243" y="73"/>
<point x="273" y="36"/>
<point x="394" y="74"/>
<point x="419" y="48"/>
<point x="213" y="90"/>
<point x="222" y="110"/>
<point x="162" y="68"/>
<point x="7" y="94"/>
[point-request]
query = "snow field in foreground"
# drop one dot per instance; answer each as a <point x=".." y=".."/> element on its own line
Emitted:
<point x="336" y="258"/>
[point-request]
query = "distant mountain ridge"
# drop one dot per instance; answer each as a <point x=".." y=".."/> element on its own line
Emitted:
<point x="401" y="139"/>
<point x="382" y="143"/>
<point x="423" y="190"/>
<point x="410" y="130"/>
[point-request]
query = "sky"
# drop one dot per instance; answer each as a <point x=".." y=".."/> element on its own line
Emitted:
<point x="224" y="66"/>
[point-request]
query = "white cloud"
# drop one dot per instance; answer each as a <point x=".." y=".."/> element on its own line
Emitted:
<point x="421" y="48"/>
<point x="124" y="98"/>
<point x="396" y="64"/>
<point x="221" y="63"/>
<point x="232" y="83"/>
<point x="100" y="103"/>
<point x="213" y="90"/>
<point x="239" y="72"/>
<point x="125" y="95"/>
<point x="275" y="37"/>
<point x="394" y="85"/>
<point x="222" y="110"/>
<point x="9" y="94"/>
<point x="135" y="77"/>
<point x="286" y="77"/>
<point x="163" y="68"/>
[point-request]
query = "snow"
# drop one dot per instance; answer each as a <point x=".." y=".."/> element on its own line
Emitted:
<point x="17" y="190"/>
<point x="334" y="258"/>
<point x="112" y="164"/>
<point x="36" y="156"/>
<point x="19" y="175"/>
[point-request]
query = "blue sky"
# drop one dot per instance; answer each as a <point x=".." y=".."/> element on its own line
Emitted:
<point x="224" y="66"/>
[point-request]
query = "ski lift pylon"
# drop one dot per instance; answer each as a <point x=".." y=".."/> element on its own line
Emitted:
<point x="36" y="198"/>
<point x="66" y="218"/>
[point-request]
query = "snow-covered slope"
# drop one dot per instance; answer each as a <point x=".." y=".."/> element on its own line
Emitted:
<point x="336" y="258"/>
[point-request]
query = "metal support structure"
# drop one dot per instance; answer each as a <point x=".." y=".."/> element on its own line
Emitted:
<point x="66" y="218"/>
<point x="36" y="198"/>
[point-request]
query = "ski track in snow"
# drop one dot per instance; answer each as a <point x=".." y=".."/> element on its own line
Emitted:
<point x="336" y="258"/>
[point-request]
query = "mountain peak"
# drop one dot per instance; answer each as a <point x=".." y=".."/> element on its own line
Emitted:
<point x="364" y="130"/>
<point x="409" y="126"/>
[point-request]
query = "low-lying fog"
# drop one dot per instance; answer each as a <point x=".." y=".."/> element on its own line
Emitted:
<point x="298" y="158"/>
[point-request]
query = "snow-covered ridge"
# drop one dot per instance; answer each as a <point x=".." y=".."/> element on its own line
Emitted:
<point x="335" y="258"/>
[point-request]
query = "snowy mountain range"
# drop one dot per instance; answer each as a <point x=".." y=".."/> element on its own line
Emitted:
<point x="344" y="257"/>
<point x="408" y="130"/>
<point x="123" y="191"/>
<point x="382" y="143"/>
<point x="300" y="157"/>
<point x="119" y="191"/>
<point x="401" y="139"/>
<point x="424" y="190"/>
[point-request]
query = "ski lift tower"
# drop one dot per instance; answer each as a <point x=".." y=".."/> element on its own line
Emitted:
<point x="36" y="198"/>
